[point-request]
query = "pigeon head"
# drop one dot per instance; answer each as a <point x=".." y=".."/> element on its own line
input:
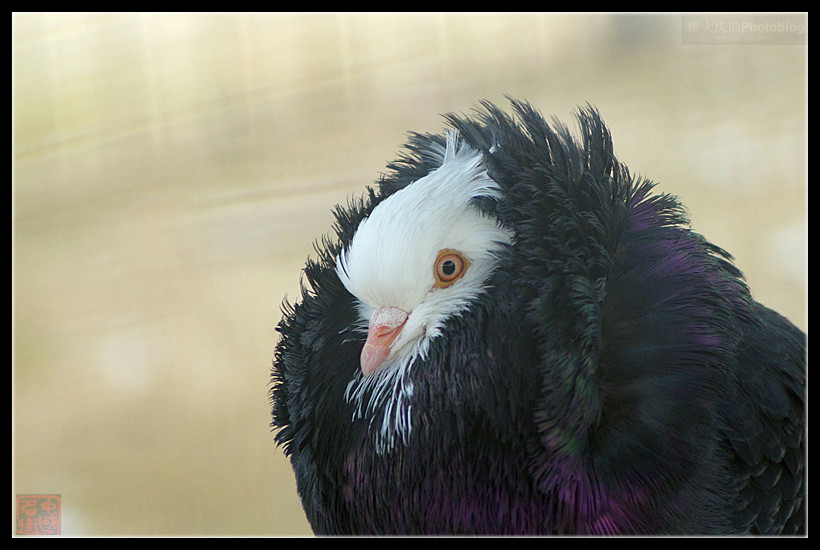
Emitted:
<point x="422" y="256"/>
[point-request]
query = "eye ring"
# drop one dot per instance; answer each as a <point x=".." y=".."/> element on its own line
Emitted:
<point x="449" y="267"/>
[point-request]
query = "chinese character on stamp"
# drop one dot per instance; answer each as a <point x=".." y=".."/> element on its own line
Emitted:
<point x="38" y="514"/>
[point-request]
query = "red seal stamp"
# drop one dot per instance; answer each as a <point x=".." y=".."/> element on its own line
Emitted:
<point x="38" y="514"/>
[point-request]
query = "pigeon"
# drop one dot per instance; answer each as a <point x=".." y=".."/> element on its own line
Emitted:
<point x="512" y="334"/>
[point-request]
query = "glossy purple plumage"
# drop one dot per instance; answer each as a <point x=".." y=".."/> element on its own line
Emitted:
<point x="617" y="379"/>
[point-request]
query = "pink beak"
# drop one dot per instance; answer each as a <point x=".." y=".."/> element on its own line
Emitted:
<point x="385" y="325"/>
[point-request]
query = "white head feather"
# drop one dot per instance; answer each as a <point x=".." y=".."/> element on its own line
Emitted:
<point x="390" y="263"/>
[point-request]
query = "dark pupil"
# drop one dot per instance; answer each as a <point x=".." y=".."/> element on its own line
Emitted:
<point x="448" y="267"/>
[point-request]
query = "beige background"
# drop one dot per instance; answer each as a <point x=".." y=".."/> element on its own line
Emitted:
<point x="170" y="173"/>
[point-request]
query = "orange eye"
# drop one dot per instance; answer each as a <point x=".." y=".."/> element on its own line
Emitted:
<point x="449" y="267"/>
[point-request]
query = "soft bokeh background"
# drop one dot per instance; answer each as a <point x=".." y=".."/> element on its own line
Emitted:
<point x="171" y="172"/>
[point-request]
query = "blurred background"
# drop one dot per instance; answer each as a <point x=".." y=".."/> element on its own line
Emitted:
<point x="171" y="172"/>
